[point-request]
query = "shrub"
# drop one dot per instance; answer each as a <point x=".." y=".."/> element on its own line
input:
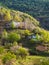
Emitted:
<point x="8" y="45"/>
<point x="27" y="32"/>
<point x="42" y="62"/>
<point x="11" y="62"/>
<point x="8" y="56"/>
<point x="4" y="34"/>
<point x="7" y="16"/>
<point x="23" y="52"/>
<point x="12" y="37"/>
<point x="36" y="39"/>
<point x="18" y="18"/>
<point x="19" y="51"/>
<point x="45" y="62"/>
<point x="13" y="25"/>
<point x="2" y="50"/>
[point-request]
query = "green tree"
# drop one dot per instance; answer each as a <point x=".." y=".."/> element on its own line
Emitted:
<point x="8" y="56"/>
<point x="22" y="52"/>
<point x="2" y="50"/>
<point x="26" y="32"/>
<point x="4" y="34"/>
<point x="13" y="37"/>
<point x="7" y="16"/>
<point x="13" y="25"/>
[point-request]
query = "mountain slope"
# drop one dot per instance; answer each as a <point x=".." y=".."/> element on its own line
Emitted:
<point x="16" y="15"/>
<point x="22" y="37"/>
<point x="22" y="23"/>
<point x="32" y="7"/>
<point x="37" y="8"/>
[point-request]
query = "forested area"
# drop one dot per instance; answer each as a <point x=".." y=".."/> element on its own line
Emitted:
<point x="22" y="45"/>
<point x="23" y="39"/>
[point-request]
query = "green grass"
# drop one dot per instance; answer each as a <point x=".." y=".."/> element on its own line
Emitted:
<point x="33" y="60"/>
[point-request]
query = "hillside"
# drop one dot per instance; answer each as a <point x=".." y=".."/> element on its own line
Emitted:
<point x="22" y="40"/>
<point x="17" y="16"/>
<point x="37" y="8"/>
